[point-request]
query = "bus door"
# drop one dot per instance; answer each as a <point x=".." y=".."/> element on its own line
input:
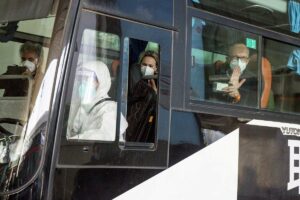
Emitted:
<point x="109" y="120"/>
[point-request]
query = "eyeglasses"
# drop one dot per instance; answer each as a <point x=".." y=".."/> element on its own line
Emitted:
<point x="242" y="58"/>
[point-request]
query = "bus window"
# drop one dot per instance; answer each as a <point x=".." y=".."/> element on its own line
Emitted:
<point x="24" y="47"/>
<point x="142" y="91"/>
<point x="285" y="75"/>
<point x="281" y="16"/>
<point x="96" y="123"/>
<point x="93" y="112"/>
<point x="221" y="68"/>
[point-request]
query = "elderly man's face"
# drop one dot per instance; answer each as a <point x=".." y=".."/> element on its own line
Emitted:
<point x="30" y="56"/>
<point x="239" y="51"/>
<point x="239" y="57"/>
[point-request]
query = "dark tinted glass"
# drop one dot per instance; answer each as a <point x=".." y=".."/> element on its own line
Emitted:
<point x="107" y="39"/>
<point x="278" y="15"/>
<point x="223" y="64"/>
<point x="155" y="11"/>
<point x="284" y="59"/>
<point x="24" y="104"/>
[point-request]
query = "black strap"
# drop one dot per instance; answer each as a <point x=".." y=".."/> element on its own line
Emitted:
<point x="100" y="101"/>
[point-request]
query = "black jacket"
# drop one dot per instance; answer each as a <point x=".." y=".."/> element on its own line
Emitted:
<point x="14" y="87"/>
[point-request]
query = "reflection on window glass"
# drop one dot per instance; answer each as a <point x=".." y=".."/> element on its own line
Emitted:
<point x="285" y="75"/>
<point x="142" y="91"/>
<point x="279" y="15"/>
<point x="93" y="112"/>
<point x="214" y="127"/>
<point x="22" y="69"/>
<point x="224" y="64"/>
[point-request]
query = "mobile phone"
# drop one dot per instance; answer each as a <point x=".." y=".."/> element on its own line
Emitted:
<point x="218" y="86"/>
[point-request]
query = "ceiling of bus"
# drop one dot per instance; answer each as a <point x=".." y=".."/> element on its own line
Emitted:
<point x="277" y="5"/>
<point x="45" y="26"/>
<point x="15" y="10"/>
<point x="270" y="14"/>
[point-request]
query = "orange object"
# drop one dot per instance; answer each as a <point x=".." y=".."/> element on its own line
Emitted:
<point x="267" y="82"/>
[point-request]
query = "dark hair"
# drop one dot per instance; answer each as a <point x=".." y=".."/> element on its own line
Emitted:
<point x="33" y="47"/>
<point x="151" y="54"/>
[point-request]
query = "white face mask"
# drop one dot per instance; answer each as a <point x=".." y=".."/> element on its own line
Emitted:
<point x="30" y="65"/>
<point x="238" y="63"/>
<point x="146" y="70"/>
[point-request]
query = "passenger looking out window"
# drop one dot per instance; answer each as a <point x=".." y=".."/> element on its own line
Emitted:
<point x="31" y="56"/>
<point x="142" y="98"/>
<point x="96" y="116"/>
<point x="234" y="83"/>
<point x="146" y="69"/>
<point x="31" y="59"/>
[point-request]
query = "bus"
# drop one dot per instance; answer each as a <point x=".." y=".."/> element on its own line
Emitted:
<point x="140" y="99"/>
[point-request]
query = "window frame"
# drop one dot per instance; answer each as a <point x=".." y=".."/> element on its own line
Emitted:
<point x="227" y="109"/>
<point x="266" y="32"/>
<point x="119" y="157"/>
<point x="39" y="126"/>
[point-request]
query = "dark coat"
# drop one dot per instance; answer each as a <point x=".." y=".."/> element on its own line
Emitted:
<point x="14" y="87"/>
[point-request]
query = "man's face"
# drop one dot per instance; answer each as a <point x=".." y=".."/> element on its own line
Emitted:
<point x="30" y="56"/>
<point x="241" y="52"/>
<point x="239" y="57"/>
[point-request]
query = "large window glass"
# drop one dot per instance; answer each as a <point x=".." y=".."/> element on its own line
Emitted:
<point x="284" y="91"/>
<point x="111" y="113"/>
<point x="151" y="11"/>
<point x="224" y="65"/>
<point x="93" y="112"/>
<point x="228" y="66"/>
<point x="24" y="105"/>
<point x="278" y="15"/>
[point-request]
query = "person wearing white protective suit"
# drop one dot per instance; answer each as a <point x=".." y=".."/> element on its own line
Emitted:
<point x="96" y="116"/>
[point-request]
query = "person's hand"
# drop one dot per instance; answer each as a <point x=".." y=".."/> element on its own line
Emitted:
<point x="235" y="77"/>
<point x="27" y="73"/>
<point x="234" y="84"/>
<point x="232" y="91"/>
<point x="152" y="84"/>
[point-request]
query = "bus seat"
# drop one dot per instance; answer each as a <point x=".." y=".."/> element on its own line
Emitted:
<point x="15" y="107"/>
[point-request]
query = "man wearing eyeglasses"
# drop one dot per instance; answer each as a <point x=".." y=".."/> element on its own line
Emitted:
<point x="238" y="60"/>
<point x="237" y="88"/>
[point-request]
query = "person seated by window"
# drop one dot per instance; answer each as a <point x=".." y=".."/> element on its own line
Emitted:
<point x="146" y="69"/>
<point x="142" y="99"/>
<point x="237" y="84"/>
<point x="267" y="99"/>
<point x="31" y="59"/>
<point x="96" y="118"/>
